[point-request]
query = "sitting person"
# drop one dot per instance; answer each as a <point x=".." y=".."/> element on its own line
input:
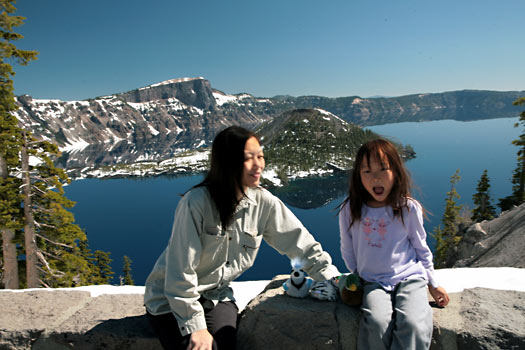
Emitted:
<point x="218" y="228"/>
<point x="384" y="241"/>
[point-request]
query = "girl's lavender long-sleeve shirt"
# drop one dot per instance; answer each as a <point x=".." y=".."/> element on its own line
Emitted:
<point x="385" y="250"/>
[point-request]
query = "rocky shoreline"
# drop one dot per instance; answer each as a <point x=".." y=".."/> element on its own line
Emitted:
<point x="188" y="163"/>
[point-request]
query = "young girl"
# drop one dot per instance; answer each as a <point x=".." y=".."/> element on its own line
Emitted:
<point x="383" y="240"/>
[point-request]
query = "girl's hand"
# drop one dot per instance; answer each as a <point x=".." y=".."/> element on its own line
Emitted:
<point x="201" y="340"/>
<point x="440" y="295"/>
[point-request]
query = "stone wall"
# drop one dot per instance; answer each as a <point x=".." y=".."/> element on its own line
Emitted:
<point x="63" y="319"/>
<point x="476" y="318"/>
<point x="56" y="320"/>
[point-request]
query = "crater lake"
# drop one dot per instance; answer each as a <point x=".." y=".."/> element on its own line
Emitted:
<point x="133" y="216"/>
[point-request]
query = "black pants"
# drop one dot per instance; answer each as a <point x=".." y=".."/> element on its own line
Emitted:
<point x="220" y="320"/>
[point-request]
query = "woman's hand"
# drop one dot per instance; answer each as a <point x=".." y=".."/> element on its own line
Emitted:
<point x="201" y="340"/>
<point x="440" y="295"/>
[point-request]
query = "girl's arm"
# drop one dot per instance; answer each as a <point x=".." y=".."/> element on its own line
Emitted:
<point x="347" y="248"/>
<point x="440" y="295"/>
<point x="417" y="236"/>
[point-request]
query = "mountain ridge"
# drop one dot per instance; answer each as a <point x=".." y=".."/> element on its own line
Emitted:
<point x="158" y="121"/>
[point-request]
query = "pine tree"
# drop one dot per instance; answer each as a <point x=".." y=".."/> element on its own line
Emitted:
<point x="104" y="273"/>
<point x="58" y="236"/>
<point x="484" y="209"/>
<point x="87" y="255"/>
<point x="52" y="239"/>
<point x="126" y="271"/>
<point x="10" y="140"/>
<point x="518" y="177"/>
<point x="447" y="237"/>
<point x="32" y="275"/>
<point x="32" y="201"/>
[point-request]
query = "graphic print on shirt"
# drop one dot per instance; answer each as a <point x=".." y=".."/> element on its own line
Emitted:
<point x="375" y="231"/>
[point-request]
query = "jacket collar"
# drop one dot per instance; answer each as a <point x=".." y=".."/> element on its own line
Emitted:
<point x="249" y="198"/>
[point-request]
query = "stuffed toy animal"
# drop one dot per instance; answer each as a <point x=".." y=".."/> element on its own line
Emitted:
<point x="324" y="290"/>
<point x="350" y="289"/>
<point x="297" y="285"/>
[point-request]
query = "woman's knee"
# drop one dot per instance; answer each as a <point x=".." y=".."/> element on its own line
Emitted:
<point x="226" y="338"/>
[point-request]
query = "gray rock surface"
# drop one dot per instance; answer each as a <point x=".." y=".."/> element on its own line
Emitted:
<point x="192" y="92"/>
<point x="58" y="320"/>
<point x="495" y="243"/>
<point x="475" y="319"/>
<point x="492" y="320"/>
<point x="283" y="322"/>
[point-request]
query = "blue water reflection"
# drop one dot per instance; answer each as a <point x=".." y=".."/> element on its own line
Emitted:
<point x="133" y="217"/>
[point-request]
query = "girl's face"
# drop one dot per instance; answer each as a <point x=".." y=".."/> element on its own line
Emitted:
<point x="253" y="163"/>
<point x="377" y="178"/>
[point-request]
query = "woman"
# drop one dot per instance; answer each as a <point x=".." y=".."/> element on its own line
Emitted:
<point x="218" y="228"/>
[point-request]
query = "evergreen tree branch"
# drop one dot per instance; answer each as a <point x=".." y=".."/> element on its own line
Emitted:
<point x="39" y="209"/>
<point x="52" y="255"/>
<point x="39" y="224"/>
<point x="52" y="272"/>
<point x="53" y="242"/>
<point x="44" y="284"/>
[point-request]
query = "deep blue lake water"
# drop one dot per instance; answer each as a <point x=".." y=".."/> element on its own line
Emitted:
<point x="133" y="217"/>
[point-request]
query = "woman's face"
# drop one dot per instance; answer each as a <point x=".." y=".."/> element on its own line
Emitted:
<point x="253" y="163"/>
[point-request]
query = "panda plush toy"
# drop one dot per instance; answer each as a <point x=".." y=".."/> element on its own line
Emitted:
<point x="298" y="284"/>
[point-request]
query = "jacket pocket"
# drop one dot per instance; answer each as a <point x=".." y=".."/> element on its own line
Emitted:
<point x="214" y="247"/>
<point x="250" y="243"/>
<point x="213" y="230"/>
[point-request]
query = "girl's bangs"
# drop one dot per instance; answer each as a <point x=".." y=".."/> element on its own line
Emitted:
<point x="378" y="151"/>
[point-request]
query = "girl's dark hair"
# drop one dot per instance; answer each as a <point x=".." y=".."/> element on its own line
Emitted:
<point x="224" y="178"/>
<point x="358" y="195"/>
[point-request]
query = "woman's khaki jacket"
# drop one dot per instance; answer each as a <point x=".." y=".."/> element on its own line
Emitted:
<point x="201" y="258"/>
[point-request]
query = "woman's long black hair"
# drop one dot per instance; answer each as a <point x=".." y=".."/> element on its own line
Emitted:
<point x="224" y="179"/>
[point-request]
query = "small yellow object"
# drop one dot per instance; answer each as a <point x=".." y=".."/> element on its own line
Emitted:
<point x="352" y="287"/>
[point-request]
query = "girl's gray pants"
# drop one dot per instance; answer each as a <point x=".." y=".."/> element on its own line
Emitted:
<point x="400" y="319"/>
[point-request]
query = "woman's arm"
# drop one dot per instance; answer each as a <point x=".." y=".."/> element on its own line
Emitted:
<point x="182" y="258"/>
<point x="285" y="233"/>
<point x="201" y="339"/>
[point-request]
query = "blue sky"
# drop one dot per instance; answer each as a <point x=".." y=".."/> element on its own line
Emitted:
<point x="266" y="48"/>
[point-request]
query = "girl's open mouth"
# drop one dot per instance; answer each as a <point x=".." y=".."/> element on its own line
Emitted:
<point x="379" y="190"/>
